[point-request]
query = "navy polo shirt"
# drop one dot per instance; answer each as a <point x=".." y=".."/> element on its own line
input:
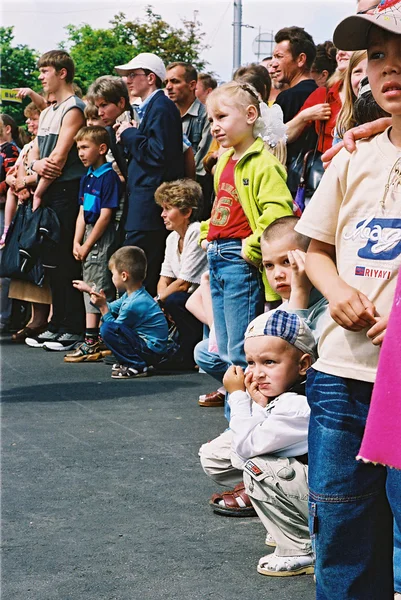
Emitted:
<point x="100" y="188"/>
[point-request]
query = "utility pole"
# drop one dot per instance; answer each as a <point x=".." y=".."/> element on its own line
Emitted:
<point x="237" y="24"/>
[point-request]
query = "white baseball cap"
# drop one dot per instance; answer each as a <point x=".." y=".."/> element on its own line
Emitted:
<point x="145" y="60"/>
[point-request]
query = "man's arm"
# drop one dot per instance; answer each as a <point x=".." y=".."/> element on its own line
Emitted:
<point x="50" y="168"/>
<point x="318" y="112"/>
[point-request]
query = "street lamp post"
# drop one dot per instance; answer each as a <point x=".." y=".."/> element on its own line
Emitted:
<point x="237" y="24"/>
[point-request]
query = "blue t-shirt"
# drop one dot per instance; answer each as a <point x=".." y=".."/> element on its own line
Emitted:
<point x="100" y="188"/>
<point x="143" y="315"/>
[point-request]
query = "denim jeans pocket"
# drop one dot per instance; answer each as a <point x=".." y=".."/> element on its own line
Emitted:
<point x="232" y="254"/>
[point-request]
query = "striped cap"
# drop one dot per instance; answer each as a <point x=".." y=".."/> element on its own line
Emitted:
<point x="287" y="326"/>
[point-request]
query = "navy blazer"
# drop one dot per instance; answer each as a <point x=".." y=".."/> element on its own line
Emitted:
<point x="155" y="154"/>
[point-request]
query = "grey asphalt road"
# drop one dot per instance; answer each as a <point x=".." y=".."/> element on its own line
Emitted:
<point x="103" y="497"/>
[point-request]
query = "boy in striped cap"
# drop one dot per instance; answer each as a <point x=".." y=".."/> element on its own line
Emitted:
<point x="269" y="430"/>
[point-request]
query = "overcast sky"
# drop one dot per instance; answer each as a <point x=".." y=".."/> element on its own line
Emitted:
<point x="40" y="24"/>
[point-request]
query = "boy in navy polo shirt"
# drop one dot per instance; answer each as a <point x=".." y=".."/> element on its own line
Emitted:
<point x="95" y="232"/>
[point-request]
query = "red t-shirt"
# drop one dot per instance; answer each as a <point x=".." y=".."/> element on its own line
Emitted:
<point x="228" y="219"/>
<point x="332" y="97"/>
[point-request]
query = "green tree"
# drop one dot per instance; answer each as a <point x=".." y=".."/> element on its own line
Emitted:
<point x="18" y="69"/>
<point x="97" y="51"/>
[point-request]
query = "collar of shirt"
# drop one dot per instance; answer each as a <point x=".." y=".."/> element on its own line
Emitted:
<point x="100" y="170"/>
<point x="141" y="108"/>
<point x="193" y="110"/>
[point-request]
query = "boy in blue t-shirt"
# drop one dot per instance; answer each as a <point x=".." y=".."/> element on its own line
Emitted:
<point x="134" y="327"/>
<point x="95" y="232"/>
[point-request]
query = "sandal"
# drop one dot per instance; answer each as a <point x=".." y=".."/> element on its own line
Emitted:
<point x="213" y="399"/>
<point x="127" y="372"/>
<point x="236" y="503"/>
<point x="285" y="566"/>
<point x="28" y="331"/>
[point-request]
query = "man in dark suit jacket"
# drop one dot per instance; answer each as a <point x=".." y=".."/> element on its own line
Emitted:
<point x="155" y="154"/>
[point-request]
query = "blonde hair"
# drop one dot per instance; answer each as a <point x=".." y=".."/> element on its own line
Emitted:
<point x="243" y="94"/>
<point x="345" y="119"/>
<point x="237" y="93"/>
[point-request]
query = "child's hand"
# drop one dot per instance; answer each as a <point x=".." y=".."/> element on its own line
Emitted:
<point x="82" y="286"/>
<point x="350" y="308"/>
<point x="253" y="390"/>
<point x="204" y="245"/>
<point x="233" y="379"/>
<point x="23" y="195"/>
<point x="84" y="252"/>
<point x="98" y="298"/>
<point x="76" y="251"/>
<point x="11" y="179"/>
<point x="299" y="279"/>
<point x="244" y="256"/>
<point x="378" y="331"/>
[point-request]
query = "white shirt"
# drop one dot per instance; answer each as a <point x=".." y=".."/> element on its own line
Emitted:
<point x="280" y="429"/>
<point x="188" y="265"/>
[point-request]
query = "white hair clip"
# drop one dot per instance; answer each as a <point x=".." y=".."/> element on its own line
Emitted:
<point x="270" y="125"/>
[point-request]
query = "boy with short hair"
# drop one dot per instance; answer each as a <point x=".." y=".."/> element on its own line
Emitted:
<point x="269" y="430"/>
<point x="95" y="233"/>
<point x="354" y="258"/>
<point x="134" y="328"/>
<point x="57" y="163"/>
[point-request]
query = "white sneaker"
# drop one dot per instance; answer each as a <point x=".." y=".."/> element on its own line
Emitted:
<point x="285" y="566"/>
<point x="63" y="342"/>
<point x="40" y="340"/>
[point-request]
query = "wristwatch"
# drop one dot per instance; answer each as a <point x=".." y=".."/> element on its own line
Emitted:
<point x="157" y="298"/>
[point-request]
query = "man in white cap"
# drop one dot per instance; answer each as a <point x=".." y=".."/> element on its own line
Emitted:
<point x="154" y="147"/>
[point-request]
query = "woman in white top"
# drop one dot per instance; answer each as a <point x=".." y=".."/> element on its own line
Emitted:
<point x="184" y="261"/>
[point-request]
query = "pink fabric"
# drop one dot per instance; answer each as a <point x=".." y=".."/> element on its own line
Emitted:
<point x="382" y="439"/>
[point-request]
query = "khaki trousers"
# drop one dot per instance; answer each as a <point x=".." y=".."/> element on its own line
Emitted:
<point x="278" y="488"/>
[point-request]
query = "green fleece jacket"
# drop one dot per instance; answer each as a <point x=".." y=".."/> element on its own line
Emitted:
<point x="260" y="180"/>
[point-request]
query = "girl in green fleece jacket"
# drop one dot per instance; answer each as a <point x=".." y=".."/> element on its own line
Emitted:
<point x="251" y="192"/>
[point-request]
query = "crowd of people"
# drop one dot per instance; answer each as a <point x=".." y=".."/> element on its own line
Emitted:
<point x="164" y="222"/>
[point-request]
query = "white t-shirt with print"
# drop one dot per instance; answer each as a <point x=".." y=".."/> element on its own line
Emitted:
<point x="346" y="212"/>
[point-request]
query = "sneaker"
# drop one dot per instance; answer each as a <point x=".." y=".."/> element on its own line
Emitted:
<point x="64" y="341"/>
<point x="40" y="340"/>
<point x="126" y="372"/>
<point x="86" y="353"/>
<point x="285" y="566"/>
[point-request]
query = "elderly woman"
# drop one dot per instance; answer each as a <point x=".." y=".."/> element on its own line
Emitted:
<point x="184" y="261"/>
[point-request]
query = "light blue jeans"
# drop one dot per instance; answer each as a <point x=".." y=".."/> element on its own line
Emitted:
<point x="350" y="518"/>
<point x="237" y="297"/>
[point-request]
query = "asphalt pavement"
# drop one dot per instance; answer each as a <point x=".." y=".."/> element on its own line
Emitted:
<point x="103" y="497"/>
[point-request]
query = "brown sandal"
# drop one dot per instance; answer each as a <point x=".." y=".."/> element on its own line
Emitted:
<point x="212" y="399"/>
<point x="231" y="507"/>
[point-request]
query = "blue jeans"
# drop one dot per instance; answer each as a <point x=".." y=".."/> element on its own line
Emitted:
<point x="127" y="346"/>
<point x="350" y="517"/>
<point x="237" y="297"/>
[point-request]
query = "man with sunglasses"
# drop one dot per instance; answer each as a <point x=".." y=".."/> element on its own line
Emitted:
<point x="154" y="147"/>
